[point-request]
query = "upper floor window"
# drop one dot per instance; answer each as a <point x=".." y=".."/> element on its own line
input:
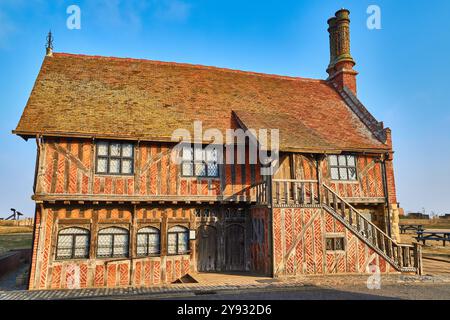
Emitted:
<point x="178" y="240"/>
<point x="73" y="243"/>
<point x="342" y="167"/>
<point x="112" y="243"/>
<point x="148" y="241"/>
<point x="199" y="162"/>
<point x="114" y="158"/>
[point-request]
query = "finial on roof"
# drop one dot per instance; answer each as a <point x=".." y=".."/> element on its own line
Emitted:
<point x="49" y="44"/>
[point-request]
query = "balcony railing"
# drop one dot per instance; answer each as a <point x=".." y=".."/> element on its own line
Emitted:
<point x="295" y="193"/>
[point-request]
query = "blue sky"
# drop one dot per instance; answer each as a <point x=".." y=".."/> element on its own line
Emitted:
<point x="404" y="67"/>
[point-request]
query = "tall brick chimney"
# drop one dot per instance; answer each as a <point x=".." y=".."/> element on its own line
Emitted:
<point x="340" y="69"/>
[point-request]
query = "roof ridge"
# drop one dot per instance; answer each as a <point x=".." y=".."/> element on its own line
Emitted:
<point x="184" y="64"/>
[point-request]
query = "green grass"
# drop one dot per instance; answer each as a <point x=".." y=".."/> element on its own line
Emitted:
<point x="15" y="241"/>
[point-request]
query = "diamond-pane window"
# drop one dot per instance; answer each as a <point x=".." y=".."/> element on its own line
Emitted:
<point x="73" y="243"/>
<point x="335" y="243"/>
<point x="127" y="150"/>
<point x="102" y="149"/>
<point x="148" y="242"/>
<point x="113" y="243"/>
<point x="200" y="162"/>
<point x="178" y="240"/>
<point x="114" y="165"/>
<point x="342" y="167"/>
<point x="114" y="158"/>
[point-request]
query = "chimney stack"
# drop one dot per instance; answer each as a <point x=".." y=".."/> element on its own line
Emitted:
<point x="340" y="69"/>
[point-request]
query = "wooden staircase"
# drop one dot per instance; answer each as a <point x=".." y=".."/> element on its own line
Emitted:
<point x="403" y="257"/>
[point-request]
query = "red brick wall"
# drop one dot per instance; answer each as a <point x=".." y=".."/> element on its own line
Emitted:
<point x="369" y="183"/>
<point x="69" y="167"/>
<point x="49" y="273"/>
<point x="299" y="245"/>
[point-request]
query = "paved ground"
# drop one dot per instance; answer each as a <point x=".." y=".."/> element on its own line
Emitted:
<point x="391" y="291"/>
<point x="233" y="286"/>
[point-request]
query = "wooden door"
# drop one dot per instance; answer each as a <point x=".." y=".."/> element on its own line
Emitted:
<point x="206" y="248"/>
<point x="235" y="248"/>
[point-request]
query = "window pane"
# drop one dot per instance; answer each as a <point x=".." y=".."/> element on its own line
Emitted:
<point x="65" y="241"/>
<point x="141" y="244"/>
<point x="211" y="155"/>
<point x="113" y="230"/>
<point x="120" y="245"/>
<point x="126" y="166"/>
<point x="64" y="253"/>
<point x="187" y="153"/>
<point x="333" y="160"/>
<point x="188" y="169"/>
<point x="213" y="169"/>
<point x="329" y="244"/>
<point x="114" y="149"/>
<point x="334" y="174"/>
<point x="104" y="245"/>
<point x="114" y="166"/>
<point x="74" y="231"/>
<point x="81" y="245"/>
<point x="342" y="161"/>
<point x="352" y="174"/>
<point x="172" y="243"/>
<point x="199" y="153"/>
<point x="351" y="161"/>
<point x="343" y="173"/>
<point x="102" y="149"/>
<point x="200" y="169"/>
<point x="127" y="150"/>
<point x="102" y="165"/>
<point x="153" y="243"/>
<point x="183" y="242"/>
<point x="339" y="243"/>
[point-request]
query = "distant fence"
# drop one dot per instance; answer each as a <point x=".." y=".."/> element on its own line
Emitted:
<point x="27" y="222"/>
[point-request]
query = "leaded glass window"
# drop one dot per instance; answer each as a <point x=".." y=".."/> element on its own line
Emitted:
<point x="148" y="241"/>
<point x="113" y="243"/>
<point x="73" y="243"/>
<point x="335" y="243"/>
<point x="342" y="167"/>
<point x="200" y="162"/>
<point x="114" y="158"/>
<point x="178" y="240"/>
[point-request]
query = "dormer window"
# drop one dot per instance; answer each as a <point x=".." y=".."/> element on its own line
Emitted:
<point x="342" y="167"/>
<point x="114" y="158"/>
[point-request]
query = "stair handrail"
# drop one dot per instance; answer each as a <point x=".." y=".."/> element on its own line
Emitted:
<point x="360" y="214"/>
<point x="396" y="258"/>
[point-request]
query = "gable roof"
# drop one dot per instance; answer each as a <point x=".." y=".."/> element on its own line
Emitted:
<point x="105" y="97"/>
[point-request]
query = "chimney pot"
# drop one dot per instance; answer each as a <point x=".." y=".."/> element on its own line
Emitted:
<point x="340" y="69"/>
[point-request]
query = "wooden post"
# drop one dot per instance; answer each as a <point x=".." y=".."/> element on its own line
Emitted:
<point x="418" y="258"/>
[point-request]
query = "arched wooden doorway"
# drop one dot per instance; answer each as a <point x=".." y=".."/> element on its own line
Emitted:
<point x="206" y="248"/>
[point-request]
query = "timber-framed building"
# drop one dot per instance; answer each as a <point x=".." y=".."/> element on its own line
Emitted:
<point x="113" y="210"/>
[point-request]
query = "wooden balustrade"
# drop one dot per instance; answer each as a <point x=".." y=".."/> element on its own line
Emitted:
<point x="259" y="193"/>
<point x="405" y="257"/>
<point x="308" y="193"/>
<point x="295" y="193"/>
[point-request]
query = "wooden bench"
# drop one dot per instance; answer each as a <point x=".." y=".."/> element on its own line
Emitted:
<point x="433" y="235"/>
<point x="413" y="227"/>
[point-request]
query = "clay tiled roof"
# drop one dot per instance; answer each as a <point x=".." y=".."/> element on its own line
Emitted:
<point x="96" y="96"/>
